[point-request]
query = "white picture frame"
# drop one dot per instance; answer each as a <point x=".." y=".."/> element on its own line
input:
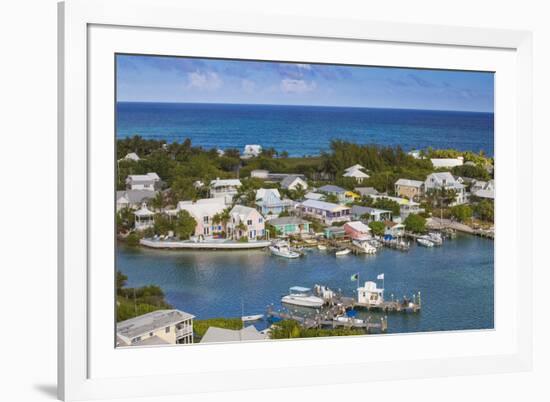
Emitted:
<point x="83" y="27"/>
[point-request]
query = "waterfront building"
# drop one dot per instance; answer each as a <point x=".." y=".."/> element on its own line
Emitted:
<point x="447" y="163"/>
<point x="292" y="182"/>
<point x="224" y="188"/>
<point x="356" y="173"/>
<point x="203" y="212"/>
<point x="149" y="181"/>
<point x="366" y="191"/>
<point x="133" y="198"/>
<point x="161" y="327"/>
<point x="394" y="229"/>
<point x="483" y="189"/>
<point x="445" y="180"/>
<point x="359" y="213"/>
<point x="144" y="218"/>
<point x="269" y="202"/>
<point x="410" y="189"/>
<point x="251" y="151"/>
<point x="215" y="334"/>
<point x="327" y="212"/>
<point x="370" y="294"/>
<point x="335" y="232"/>
<point x="245" y="222"/>
<point x="357" y="230"/>
<point x="290" y="225"/>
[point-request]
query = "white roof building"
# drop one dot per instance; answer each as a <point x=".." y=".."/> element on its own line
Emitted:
<point x="132" y="156"/>
<point x="447" y="163"/>
<point x="251" y="151"/>
<point x="147" y="181"/>
<point x="409" y="183"/>
<point x="292" y="183"/>
<point x="262" y="192"/>
<point x="356" y="173"/>
<point x="201" y="208"/>
<point x="355" y="167"/>
<point x="215" y="334"/>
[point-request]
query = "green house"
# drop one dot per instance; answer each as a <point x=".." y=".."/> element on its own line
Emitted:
<point x="290" y="225"/>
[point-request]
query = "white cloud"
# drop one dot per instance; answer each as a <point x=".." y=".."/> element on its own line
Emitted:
<point x="248" y="86"/>
<point x="208" y="80"/>
<point x="297" y="86"/>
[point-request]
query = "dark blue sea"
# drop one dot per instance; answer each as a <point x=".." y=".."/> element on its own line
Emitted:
<point x="304" y="130"/>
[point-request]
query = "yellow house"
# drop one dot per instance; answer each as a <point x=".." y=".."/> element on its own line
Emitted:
<point x="409" y="188"/>
<point x="161" y="327"/>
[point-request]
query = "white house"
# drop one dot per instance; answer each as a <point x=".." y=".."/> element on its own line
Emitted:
<point x="327" y="212"/>
<point x="445" y="180"/>
<point x="161" y="327"/>
<point x="447" y="163"/>
<point x="224" y="188"/>
<point x="292" y="183"/>
<point x="149" y="181"/>
<point x="203" y="212"/>
<point x="133" y="198"/>
<point x="356" y="173"/>
<point x="483" y="189"/>
<point x="370" y="294"/>
<point x="252" y="151"/>
<point x="245" y="222"/>
<point x="132" y="156"/>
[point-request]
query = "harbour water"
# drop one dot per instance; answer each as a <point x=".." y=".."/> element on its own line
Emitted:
<point x="304" y="130"/>
<point x="456" y="280"/>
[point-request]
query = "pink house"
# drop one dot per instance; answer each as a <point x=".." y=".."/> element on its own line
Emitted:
<point x="357" y="230"/>
<point x="245" y="221"/>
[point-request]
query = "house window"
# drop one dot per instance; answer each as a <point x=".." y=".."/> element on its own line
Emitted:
<point x="150" y="334"/>
<point x="136" y="339"/>
<point x="249" y="222"/>
<point x="205" y="219"/>
<point x="260" y="220"/>
<point x="167" y="329"/>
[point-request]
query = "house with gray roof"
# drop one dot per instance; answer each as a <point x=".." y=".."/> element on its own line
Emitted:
<point x="292" y="182"/>
<point x="133" y="198"/>
<point x="445" y="180"/>
<point x="368" y="214"/>
<point x="149" y="181"/>
<point x="366" y="191"/>
<point x="290" y="225"/>
<point x="155" y="328"/>
<point x="215" y="334"/>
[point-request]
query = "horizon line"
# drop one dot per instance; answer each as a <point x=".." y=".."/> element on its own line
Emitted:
<point x="304" y="105"/>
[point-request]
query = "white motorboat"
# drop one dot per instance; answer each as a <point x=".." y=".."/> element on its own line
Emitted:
<point x="342" y="252"/>
<point x="282" y="249"/>
<point x="349" y="320"/>
<point x="435" y="238"/>
<point x="424" y="242"/>
<point x="321" y="247"/>
<point x="255" y="317"/>
<point x="300" y="296"/>
<point x="365" y="246"/>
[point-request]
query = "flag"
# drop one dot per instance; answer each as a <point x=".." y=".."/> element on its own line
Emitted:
<point x="381" y="277"/>
<point x="355" y="277"/>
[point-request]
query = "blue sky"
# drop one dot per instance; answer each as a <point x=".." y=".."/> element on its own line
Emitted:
<point x="177" y="79"/>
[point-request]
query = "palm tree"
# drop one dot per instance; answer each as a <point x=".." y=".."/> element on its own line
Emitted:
<point x="159" y="202"/>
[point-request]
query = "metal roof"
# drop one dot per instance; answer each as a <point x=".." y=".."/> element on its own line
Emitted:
<point x="149" y="322"/>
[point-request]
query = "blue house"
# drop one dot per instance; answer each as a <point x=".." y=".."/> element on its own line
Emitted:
<point x="269" y="202"/>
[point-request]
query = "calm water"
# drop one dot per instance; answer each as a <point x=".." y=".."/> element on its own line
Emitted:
<point x="456" y="280"/>
<point x="304" y="130"/>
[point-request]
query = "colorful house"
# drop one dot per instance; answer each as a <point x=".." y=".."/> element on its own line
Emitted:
<point x="410" y="189"/>
<point x="269" y="202"/>
<point x="357" y="230"/>
<point x="394" y="229"/>
<point x="245" y="222"/>
<point x="290" y="225"/>
<point x="327" y="212"/>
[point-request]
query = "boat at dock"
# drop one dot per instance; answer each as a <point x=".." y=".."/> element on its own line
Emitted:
<point x="249" y="318"/>
<point x="343" y="252"/>
<point x="364" y="246"/>
<point x="321" y="247"/>
<point x="282" y="249"/>
<point x="435" y="238"/>
<point x="301" y="296"/>
<point x="424" y="242"/>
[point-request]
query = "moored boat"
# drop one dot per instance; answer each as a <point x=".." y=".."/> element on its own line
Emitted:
<point x="364" y="246"/>
<point x="255" y="317"/>
<point x="301" y="296"/>
<point x="343" y="252"/>
<point x="282" y="249"/>
<point x="321" y="247"/>
<point x="424" y="242"/>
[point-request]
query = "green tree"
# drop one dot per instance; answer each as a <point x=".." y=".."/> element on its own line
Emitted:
<point x="121" y="281"/>
<point x="485" y="210"/>
<point x="377" y="228"/>
<point x="185" y="225"/>
<point x="462" y="213"/>
<point x="415" y="223"/>
<point x="159" y="201"/>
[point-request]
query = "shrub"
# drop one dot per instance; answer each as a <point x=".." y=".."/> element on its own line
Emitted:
<point x="415" y="223"/>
